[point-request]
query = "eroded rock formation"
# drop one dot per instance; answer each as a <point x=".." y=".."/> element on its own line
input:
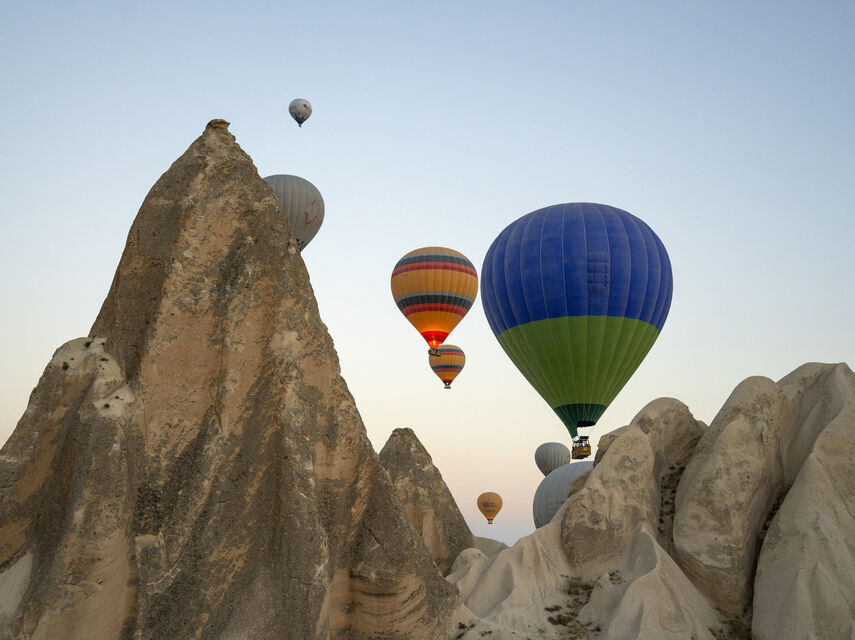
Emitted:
<point x="804" y="586"/>
<point x="632" y="483"/>
<point x="727" y="491"/>
<point x="426" y="497"/>
<point x="648" y="597"/>
<point x="521" y="588"/>
<point x="756" y="544"/>
<point x="197" y="468"/>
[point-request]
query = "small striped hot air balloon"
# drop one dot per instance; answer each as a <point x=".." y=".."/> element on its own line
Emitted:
<point x="489" y="504"/>
<point x="434" y="287"/>
<point x="447" y="363"/>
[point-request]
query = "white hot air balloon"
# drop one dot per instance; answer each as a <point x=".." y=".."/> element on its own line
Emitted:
<point x="551" y="455"/>
<point x="301" y="203"/>
<point x="300" y="109"/>
<point x="554" y="489"/>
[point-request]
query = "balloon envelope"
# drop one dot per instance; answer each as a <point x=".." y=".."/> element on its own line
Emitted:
<point x="551" y="455"/>
<point x="553" y="490"/>
<point x="434" y="287"/>
<point x="447" y="363"/>
<point x="489" y="504"/>
<point x="576" y="295"/>
<point x="301" y="203"/>
<point x="300" y="109"/>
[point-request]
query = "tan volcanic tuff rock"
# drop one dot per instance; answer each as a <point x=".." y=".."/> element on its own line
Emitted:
<point x="632" y="483"/>
<point x="426" y="497"/>
<point x="648" y="597"/>
<point x="728" y="490"/>
<point x="198" y="468"/>
<point x="804" y="586"/>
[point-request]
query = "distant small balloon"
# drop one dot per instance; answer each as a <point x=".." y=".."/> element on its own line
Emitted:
<point x="447" y="361"/>
<point x="300" y="109"/>
<point x="551" y="455"/>
<point x="554" y="489"/>
<point x="490" y="503"/>
<point x="301" y="203"/>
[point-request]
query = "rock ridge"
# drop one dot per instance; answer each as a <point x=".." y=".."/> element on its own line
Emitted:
<point x="426" y="497"/>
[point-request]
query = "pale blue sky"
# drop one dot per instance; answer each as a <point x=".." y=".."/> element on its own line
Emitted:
<point x="728" y="127"/>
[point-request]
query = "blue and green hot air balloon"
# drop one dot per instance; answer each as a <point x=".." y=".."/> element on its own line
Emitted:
<point x="577" y="294"/>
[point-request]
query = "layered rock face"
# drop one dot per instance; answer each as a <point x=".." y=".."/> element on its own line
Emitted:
<point x="197" y="468"/>
<point x="426" y="497"/>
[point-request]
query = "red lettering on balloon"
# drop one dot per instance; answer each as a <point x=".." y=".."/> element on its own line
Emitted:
<point x="315" y="206"/>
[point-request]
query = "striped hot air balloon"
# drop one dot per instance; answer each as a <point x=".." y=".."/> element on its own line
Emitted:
<point x="301" y="203"/>
<point x="434" y="287"/>
<point x="447" y="363"/>
<point x="576" y="295"/>
<point x="553" y="490"/>
<point x="551" y="455"/>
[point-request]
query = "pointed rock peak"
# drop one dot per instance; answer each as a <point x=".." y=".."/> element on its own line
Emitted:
<point x="217" y="123"/>
<point x="426" y="497"/>
<point x="811" y="372"/>
<point x="207" y="239"/>
<point x="403" y="441"/>
<point x="199" y="469"/>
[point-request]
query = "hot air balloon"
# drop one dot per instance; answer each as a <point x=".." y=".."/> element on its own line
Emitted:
<point x="490" y="504"/>
<point x="434" y="287"/>
<point x="447" y="363"/>
<point x="576" y="295"/>
<point x="554" y="489"/>
<point x="551" y="455"/>
<point x="300" y="109"/>
<point x="301" y="204"/>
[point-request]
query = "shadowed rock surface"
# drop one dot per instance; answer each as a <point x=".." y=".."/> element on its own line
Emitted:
<point x="197" y="467"/>
<point x="426" y="497"/>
